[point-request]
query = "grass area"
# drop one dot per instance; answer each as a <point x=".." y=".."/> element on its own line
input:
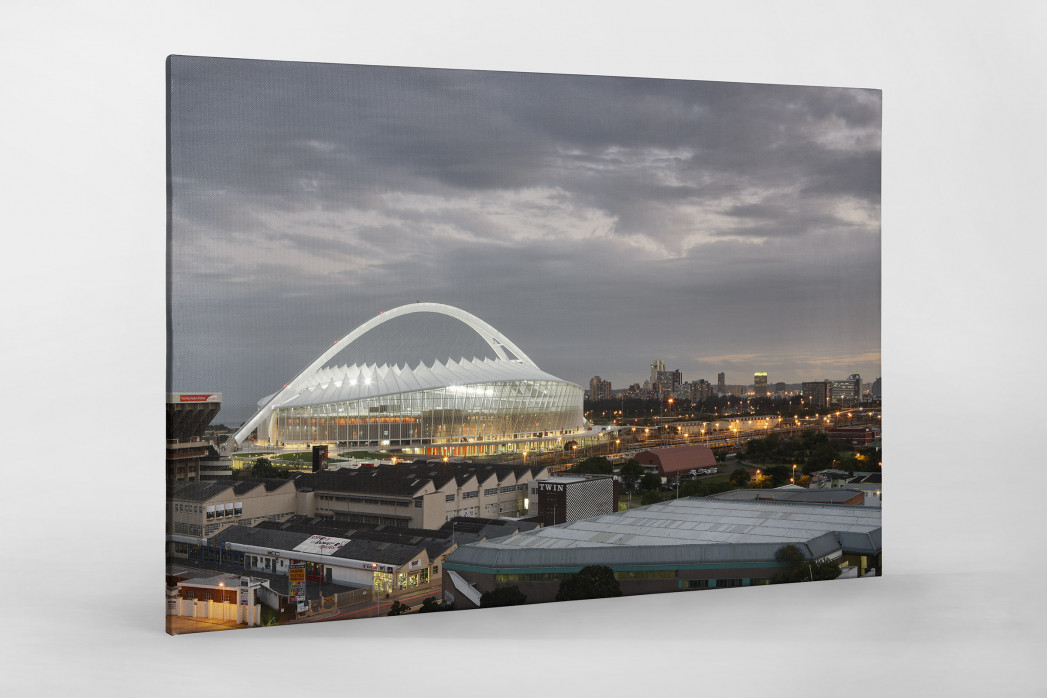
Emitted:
<point x="364" y="455"/>
<point x="297" y="456"/>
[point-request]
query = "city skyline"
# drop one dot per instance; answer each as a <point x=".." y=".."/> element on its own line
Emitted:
<point x="599" y="222"/>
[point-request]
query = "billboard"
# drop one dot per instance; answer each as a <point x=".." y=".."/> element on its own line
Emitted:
<point x="296" y="577"/>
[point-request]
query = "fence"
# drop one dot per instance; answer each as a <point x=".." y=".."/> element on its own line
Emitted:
<point x="346" y="598"/>
<point x="196" y="608"/>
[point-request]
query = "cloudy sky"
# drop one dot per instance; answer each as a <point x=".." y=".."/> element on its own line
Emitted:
<point x="598" y="222"/>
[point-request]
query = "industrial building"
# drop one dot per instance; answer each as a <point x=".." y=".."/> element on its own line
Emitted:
<point x="681" y="544"/>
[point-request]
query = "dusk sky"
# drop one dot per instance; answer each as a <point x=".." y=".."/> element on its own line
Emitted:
<point x="598" y="222"/>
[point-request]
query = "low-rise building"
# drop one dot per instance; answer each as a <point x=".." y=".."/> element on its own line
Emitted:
<point x="567" y="498"/>
<point x="680" y="544"/>
<point x="670" y="462"/>
<point x="199" y="510"/>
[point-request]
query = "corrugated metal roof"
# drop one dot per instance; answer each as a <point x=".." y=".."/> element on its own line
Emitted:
<point x="688" y="530"/>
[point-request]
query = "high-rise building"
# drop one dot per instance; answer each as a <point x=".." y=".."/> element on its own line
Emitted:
<point x="700" y="390"/>
<point x="816" y="393"/>
<point x="599" y="389"/>
<point x="656" y="367"/>
<point x="721" y="383"/>
<point x="188" y="415"/>
<point x="876" y="390"/>
<point x="760" y="384"/>
<point x="846" y="392"/>
<point x="669" y="381"/>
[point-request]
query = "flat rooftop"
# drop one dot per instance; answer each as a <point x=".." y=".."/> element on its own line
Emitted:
<point x="697" y="521"/>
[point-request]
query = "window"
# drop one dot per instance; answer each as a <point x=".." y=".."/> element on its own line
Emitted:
<point x="490" y="492"/>
<point x="510" y="488"/>
<point x="521" y="488"/>
<point x="449" y="498"/>
<point x="436" y="570"/>
<point x="645" y="574"/>
<point x="728" y="583"/>
<point x="470" y="495"/>
<point x="695" y="583"/>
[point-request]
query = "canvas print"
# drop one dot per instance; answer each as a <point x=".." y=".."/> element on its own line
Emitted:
<point x="442" y="340"/>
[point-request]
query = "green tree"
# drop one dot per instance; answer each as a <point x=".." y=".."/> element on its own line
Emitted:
<point x="779" y="474"/>
<point x="431" y="605"/>
<point x="592" y="582"/>
<point x="850" y="464"/>
<point x="263" y="467"/>
<point x="650" y="481"/>
<point x="398" y="609"/>
<point x="692" y="488"/>
<point x="821" y="458"/>
<point x="798" y="569"/>
<point x="630" y="472"/>
<point x="810" y="439"/>
<point x="503" y="596"/>
<point x="740" y="477"/>
<point x="594" y="465"/>
<point x="650" y="497"/>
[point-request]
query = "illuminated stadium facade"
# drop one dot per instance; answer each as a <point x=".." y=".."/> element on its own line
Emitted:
<point x="464" y="407"/>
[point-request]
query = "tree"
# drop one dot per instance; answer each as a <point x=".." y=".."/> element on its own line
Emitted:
<point x="821" y="458"/>
<point x="592" y="582"/>
<point x="503" y="596"/>
<point x="650" y="481"/>
<point x="431" y="605"/>
<point x="594" y="465"/>
<point x="650" y="497"/>
<point x="630" y="472"/>
<point x="779" y="474"/>
<point x="263" y="467"/>
<point x="692" y="488"/>
<point x="740" y="477"/>
<point x="398" y="609"/>
<point x="798" y="569"/>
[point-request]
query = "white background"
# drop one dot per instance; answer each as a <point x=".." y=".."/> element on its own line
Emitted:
<point x="960" y="611"/>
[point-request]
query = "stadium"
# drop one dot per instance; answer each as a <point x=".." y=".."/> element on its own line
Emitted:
<point x="496" y="399"/>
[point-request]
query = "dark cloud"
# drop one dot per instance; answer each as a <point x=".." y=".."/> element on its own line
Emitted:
<point x="598" y="222"/>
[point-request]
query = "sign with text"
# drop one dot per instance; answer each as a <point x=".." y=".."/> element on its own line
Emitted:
<point x="199" y="397"/>
<point x="296" y="577"/>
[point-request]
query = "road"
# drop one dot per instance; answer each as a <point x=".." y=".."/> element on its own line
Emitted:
<point x="367" y="609"/>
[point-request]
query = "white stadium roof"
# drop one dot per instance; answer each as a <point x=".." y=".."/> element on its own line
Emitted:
<point x="343" y="383"/>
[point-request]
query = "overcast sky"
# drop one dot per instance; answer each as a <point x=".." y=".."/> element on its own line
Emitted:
<point x="598" y="222"/>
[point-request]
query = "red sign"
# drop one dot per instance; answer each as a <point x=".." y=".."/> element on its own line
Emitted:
<point x="209" y="397"/>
